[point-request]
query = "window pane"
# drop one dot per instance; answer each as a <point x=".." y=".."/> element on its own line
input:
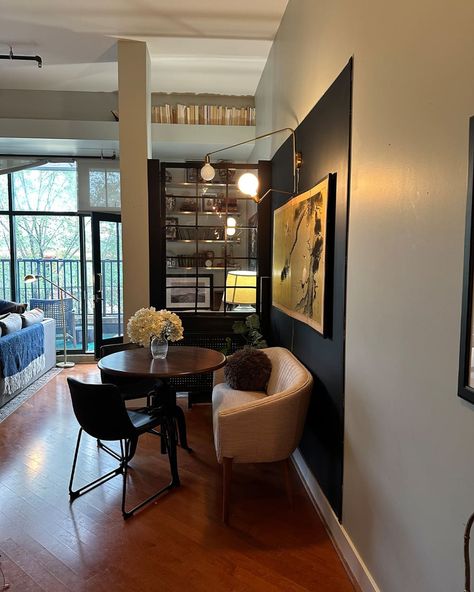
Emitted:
<point x="50" y="188"/>
<point x="111" y="268"/>
<point x="49" y="246"/>
<point x="104" y="189"/>
<point x="5" y="287"/>
<point x="89" y="295"/>
<point x="3" y="192"/>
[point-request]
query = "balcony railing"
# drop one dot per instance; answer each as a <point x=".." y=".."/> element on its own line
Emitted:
<point x="66" y="273"/>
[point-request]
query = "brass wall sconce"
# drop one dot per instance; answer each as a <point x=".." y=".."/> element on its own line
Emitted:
<point x="248" y="182"/>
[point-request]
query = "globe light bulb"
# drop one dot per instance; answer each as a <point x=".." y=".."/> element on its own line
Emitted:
<point x="231" y="221"/>
<point x="208" y="172"/>
<point x="248" y="184"/>
<point x="230" y="230"/>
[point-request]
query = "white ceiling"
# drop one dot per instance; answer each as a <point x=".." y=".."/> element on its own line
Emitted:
<point x="195" y="46"/>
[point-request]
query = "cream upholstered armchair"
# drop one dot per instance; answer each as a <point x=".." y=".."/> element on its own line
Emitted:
<point x="252" y="426"/>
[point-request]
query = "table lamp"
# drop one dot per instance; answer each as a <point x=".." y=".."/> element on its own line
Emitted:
<point x="29" y="279"/>
<point x="241" y="289"/>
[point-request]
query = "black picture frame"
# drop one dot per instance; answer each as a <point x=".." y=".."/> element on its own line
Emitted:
<point x="181" y="291"/>
<point x="209" y="202"/>
<point x="171" y="228"/>
<point x="193" y="174"/>
<point x="465" y="391"/>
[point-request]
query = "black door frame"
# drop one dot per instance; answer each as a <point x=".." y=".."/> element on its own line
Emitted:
<point x="96" y="219"/>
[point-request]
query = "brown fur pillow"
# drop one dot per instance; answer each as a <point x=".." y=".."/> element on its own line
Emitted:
<point x="248" y="370"/>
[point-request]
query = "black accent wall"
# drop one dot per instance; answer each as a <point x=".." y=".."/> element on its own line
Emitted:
<point x="324" y="139"/>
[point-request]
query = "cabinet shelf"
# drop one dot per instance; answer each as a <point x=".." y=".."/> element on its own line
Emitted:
<point x="218" y="268"/>
<point x="203" y="240"/>
<point x="191" y="213"/>
<point x="194" y="183"/>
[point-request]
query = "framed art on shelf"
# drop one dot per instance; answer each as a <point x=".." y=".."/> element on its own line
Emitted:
<point x="171" y="228"/>
<point x="191" y="292"/>
<point x="193" y="175"/>
<point x="209" y="202"/>
<point x="170" y="203"/>
<point x="252" y="239"/>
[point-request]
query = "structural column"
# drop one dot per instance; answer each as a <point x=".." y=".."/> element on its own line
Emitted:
<point x="134" y="101"/>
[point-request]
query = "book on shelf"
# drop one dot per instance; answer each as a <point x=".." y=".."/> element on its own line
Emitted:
<point x="203" y="114"/>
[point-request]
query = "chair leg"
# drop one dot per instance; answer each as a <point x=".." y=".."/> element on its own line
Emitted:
<point x="226" y="481"/>
<point x="285" y="465"/>
<point x="73" y="494"/>
<point x="114" y="454"/>
<point x="128" y="448"/>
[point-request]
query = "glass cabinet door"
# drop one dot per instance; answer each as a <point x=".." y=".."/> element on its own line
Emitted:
<point x="211" y="240"/>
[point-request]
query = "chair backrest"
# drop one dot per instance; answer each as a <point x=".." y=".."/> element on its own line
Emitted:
<point x="120" y="381"/>
<point x="52" y="309"/>
<point x="291" y="384"/>
<point x="106" y="350"/>
<point x="100" y="410"/>
<point x="287" y="371"/>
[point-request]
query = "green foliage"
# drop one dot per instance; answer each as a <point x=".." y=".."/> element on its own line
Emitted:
<point x="227" y="349"/>
<point x="250" y="331"/>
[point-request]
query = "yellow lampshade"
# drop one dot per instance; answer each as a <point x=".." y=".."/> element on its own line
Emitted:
<point x="241" y="287"/>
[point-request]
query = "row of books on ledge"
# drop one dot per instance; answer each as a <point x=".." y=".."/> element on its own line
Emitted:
<point x="203" y="114"/>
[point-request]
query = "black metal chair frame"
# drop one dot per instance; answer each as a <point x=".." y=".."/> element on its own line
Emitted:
<point x="154" y="396"/>
<point x="128" y="445"/>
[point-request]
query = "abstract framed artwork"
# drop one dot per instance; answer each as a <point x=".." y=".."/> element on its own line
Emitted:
<point x="300" y="255"/>
<point x="188" y="291"/>
<point x="466" y="350"/>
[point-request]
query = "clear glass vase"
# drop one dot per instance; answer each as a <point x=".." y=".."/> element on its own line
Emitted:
<point x="159" y="348"/>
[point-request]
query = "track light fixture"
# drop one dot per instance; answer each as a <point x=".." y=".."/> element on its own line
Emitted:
<point x="25" y="58"/>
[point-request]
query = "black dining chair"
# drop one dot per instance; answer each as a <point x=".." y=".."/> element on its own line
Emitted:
<point x="133" y="388"/>
<point x="130" y="388"/>
<point x="101" y="413"/>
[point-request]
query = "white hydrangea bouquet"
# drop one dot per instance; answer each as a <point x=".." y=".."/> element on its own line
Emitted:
<point x="148" y="323"/>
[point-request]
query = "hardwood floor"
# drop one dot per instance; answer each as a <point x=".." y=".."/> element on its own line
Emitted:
<point x="178" y="543"/>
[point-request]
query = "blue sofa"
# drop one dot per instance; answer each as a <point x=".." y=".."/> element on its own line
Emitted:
<point x="49" y="326"/>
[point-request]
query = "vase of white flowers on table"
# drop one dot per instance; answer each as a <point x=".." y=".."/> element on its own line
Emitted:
<point x="155" y="328"/>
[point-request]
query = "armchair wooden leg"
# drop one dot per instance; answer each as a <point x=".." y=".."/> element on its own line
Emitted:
<point x="286" y="467"/>
<point x="227" y="477"/>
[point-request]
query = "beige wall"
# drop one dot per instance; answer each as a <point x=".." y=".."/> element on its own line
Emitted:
<point x="409" y="477"/>
<point x="135" y="149"/>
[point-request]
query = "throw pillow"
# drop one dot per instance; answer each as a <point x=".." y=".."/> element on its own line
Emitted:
<point x="31" y="317"/>
<point x="7" y="306"/>
<point x="10" y="323"/>
<point x="248" y="370"/>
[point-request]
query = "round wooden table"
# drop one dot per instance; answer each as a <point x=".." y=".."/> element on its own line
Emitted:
<point x="180" y="361"/>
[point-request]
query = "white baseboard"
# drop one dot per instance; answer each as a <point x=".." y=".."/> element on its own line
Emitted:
<point x="351" y="559"/>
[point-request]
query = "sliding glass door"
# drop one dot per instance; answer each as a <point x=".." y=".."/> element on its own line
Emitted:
<point x="108" y="285"/>
<point x="46" y="230"/>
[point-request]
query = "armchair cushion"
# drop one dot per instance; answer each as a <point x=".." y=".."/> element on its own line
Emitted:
<point x="248" y="369"/>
